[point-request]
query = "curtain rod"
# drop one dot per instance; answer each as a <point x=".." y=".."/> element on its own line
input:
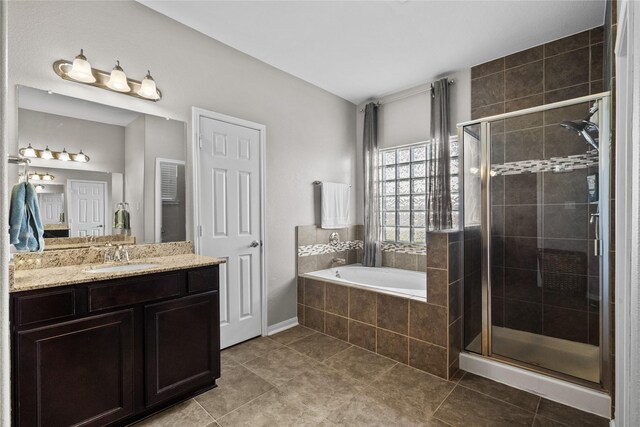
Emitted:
<point x="399" y="97"/>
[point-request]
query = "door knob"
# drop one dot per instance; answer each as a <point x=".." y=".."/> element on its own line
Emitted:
<point x="254" y="244"/>
<point x="100" y="226"/>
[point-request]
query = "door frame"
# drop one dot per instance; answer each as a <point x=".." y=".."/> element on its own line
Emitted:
<point x="196" y="114"/>
<point x="106" y="199"/>
<point x="158" y="197"/>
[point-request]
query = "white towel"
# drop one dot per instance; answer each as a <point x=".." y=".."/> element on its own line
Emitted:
<point x="335" y="205"/>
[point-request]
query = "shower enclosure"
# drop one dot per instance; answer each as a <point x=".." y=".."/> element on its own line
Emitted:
<point x="536" y="226"/>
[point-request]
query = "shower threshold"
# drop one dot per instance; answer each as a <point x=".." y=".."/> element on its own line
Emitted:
<point x="572" y="358"/>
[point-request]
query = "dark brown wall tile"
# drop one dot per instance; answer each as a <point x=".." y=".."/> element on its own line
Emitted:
<point x="455" y="340"/>
<point x="523" y="145"/>
<point x="314" y="319"/>
<point x="437" y="286"/>
<point x="523" y="316"/>
<point x="597" y="87"/>
<point x="566" y="324"/>
<point x="393" y="313"/>
<point x="497" y="311"/>
<point x="522" y="285"/>
<point x="437" y="250"/>
<point x="362" y="305"/>
<point x="428" y="322"/>
<point x="300" y="290"/>
<point x="314" y="293"/>
<point x="524" y="57"/>
<point x="455" y="261"/>
<point x="525" y="80"/>
<point x="567" y="43"/>
<point x="566" y="93"/>
<point x="525" y="121"/>
<point x="521" y="252"/>
<point x="522" y="221"/>
<point x="487" y="111"/>
<point x="597" y="35"/>
<point x="522" y="189"/>
<point x="301" y="314"/>
<point x="567" y="69"/>
<point x="336" y="326"/>
<point x="565" y="221"/>
<point x="567" y="187"/>
<point x="570" y="112"/>
<point x="597" y="70"/>
<point x="487" y="68"/>
<point x="337" y="299"/>
<point x="362" y="335"/>
<point x="455" y="301"/>
<point x="428" y="357"/>
<point x="487" y="90"/>
<point x="392" y="345"/>
<point x="559" y="142"/>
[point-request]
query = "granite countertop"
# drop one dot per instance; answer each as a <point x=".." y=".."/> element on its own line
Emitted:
<point x="49" y="227"/>
<point x="41" y="278"/>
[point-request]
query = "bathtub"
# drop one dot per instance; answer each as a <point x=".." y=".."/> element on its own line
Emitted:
<point x="403" y="283"/>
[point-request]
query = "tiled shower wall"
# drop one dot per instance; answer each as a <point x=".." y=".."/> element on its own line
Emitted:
<point x="316" y="253"/>
<point x="542" y="258"/>
<point x="425" y="335"/>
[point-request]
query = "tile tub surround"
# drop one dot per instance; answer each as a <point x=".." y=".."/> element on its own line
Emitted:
<point x="316" y="253"/>
<point x="427" y="336"/>
<point x="302" y="377"/>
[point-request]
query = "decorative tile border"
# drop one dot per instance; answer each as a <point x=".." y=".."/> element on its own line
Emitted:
<point x="554" y="164"/>
<point x="323" y="248"/>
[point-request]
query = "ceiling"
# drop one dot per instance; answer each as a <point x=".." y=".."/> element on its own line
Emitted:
<point x="53" y="103"/>
<point x="364" y="49"/>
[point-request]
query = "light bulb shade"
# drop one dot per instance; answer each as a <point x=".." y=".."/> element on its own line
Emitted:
<point x="47" y="177"/>
<point x="46" y="154"/>
<point x="118" y="80"/>
<point x="39" y="187"/>
<point x="81" y="70"/>
<point x="29" y="151"/>
<point x="64" y="156"/>
<point x="35" y="177"/>
<point x="81" y="157"/>
<point x="148" y="88"/>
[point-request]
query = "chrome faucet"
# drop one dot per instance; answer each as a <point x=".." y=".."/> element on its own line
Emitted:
<point x="108" y="253"/>
<point x="121" y="254"/>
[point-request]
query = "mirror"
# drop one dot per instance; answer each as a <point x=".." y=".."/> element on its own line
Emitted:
<point x="133" y="184"/>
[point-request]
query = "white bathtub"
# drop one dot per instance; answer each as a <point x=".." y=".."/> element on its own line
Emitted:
<point x="404" y="283"/>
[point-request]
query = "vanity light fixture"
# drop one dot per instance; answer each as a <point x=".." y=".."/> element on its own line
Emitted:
<point x="35" y="176"/>
<point x="64" y="156"/>
<point x="81" y="69"/>
<point x="39" y="187"/>
<point x="48" y="154"/>
<point x="116" y="80"/>
<point x="46" y="177"/>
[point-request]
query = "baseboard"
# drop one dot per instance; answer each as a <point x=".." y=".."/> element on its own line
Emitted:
<point x="282" y="326"/>
<point x="564" y="392"/>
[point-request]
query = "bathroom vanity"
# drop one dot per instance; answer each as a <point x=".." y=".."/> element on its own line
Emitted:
<point x="98" y="349"/>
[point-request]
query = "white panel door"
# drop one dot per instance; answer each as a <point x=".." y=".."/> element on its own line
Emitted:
<point x="87" y="201"/>
<point x="229" y="197"/>
<point x="51" y="207"/>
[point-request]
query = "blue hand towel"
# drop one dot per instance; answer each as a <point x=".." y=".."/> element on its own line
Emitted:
<point x="25" y="224"/>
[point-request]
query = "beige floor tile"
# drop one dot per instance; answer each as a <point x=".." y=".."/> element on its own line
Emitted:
<point x="226" y="361"/>
<point x="360" y="364"/>
<point x="249" y="350"/>
<point x="465" y="407"/>
<point x="292" y="334"/>
<point x="281" y="365"/>
<point x="511" y="395"/>
<point x="272" y="409"/>
<point x="375" y="408"/>
<point x="187" y="414"/>
<point x="569" y="416"/>
<point x="319" y="346"/>
<point x="423" y="391"/>
<point x="237" y="386"/>
<point x="320" y="388"/>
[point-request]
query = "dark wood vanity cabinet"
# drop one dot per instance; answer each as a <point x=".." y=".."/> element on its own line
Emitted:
<point x="112" y="352"/>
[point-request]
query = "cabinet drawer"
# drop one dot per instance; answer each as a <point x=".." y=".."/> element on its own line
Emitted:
<point x="135" y="290"/>
<point x="40" y="307"/>
<point x="204" y="279"/>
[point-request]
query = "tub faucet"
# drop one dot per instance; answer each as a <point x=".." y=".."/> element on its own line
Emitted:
<point x="339" y="261"/>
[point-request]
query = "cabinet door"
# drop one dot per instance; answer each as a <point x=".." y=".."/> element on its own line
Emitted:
<point x="76" y="373"/>
<point x="182" y="346"/>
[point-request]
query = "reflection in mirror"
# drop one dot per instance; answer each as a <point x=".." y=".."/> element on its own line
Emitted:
<point x="125" y="150"/>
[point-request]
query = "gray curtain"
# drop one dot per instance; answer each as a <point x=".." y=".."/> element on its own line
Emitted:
<point x="438" y="172"/>
<point x="372" y="256"/>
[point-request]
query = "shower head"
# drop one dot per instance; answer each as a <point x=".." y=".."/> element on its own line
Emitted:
<point x="585" y="128"/>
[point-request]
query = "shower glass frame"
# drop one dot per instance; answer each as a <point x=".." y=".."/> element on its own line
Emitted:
<point x="604" y="203"/>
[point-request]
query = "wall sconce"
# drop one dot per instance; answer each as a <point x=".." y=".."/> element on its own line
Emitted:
<point x="80" y="71"/>
<point x="35" y="176"/>
<point x="48" y="154"/>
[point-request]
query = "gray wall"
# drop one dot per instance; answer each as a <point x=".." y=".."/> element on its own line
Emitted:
<point x="408" y="120"/>
<point x="310" y="132"/>
<point x="103" y="143"/>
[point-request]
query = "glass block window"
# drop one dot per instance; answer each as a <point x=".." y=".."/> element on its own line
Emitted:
<point x="403" y="173"/>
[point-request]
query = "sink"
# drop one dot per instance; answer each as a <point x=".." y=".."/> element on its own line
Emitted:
<point x="120" y="268"/>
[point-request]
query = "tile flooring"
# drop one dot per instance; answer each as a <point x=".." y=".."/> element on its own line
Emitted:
<point x="300" y="377"/>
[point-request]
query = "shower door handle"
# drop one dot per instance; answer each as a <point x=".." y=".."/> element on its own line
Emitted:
<point x="595" y="220"/>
